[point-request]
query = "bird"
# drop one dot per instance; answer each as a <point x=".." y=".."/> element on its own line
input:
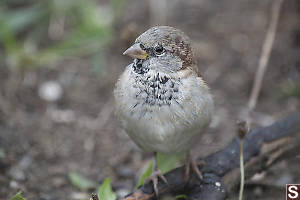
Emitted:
<point x="162" y="101"/>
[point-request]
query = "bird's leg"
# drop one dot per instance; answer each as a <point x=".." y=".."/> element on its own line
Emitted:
<point x="156" y="173"/>
<point x="191" y="162"/>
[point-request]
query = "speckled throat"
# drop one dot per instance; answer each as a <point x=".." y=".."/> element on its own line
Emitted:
<point x="154" y="88"/>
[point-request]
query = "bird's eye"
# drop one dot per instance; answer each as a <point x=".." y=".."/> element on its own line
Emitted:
<point x="159" y="50"/>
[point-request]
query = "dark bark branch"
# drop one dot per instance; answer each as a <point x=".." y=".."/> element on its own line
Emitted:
<point x="262" y="148"/>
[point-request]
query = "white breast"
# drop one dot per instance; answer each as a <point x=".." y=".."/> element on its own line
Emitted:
<point x="168" y="119"/>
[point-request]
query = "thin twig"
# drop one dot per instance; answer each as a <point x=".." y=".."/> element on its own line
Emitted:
<point x="265" y="55"/>
<point x="242" y="131"/>
<point x="242" y="169"/>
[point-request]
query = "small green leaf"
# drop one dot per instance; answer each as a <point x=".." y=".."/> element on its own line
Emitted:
<point x="18" y="196"/>
<point x="167" y="162"/>
<point x="290" y="90"/>
<point x="21" y="18"/>
<point x="105" y="192"/>
<point x="181" y="196"/>
<point x="81" y="182"/>
<point x="145" y="174"/>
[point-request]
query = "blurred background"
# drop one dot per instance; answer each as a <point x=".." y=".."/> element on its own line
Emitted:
<point x="60" y="59"/>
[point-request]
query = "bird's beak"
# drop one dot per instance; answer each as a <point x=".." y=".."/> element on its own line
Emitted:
<point x="135" y="51"/>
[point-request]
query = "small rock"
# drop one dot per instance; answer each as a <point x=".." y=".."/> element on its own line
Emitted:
<point x="50" y="91"/>
<point x="14" y="185"/>
<point x="258" y="176"/>
<point x="218" y="184"/>
<point x="79" y="196"/>
<point x="122" y="192"/>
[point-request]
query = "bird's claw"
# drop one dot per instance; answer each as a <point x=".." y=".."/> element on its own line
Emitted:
<point x="154" y="179"/>
<point x="191" y="163"/>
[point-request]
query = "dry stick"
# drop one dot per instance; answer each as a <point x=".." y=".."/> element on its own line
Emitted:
<point x="262" y="66"/>
<point x="265" y="55"/>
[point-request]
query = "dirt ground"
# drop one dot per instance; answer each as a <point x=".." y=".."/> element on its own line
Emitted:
<point x="43" y="142"/>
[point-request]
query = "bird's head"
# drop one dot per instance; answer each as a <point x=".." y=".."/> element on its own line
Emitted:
<point x="163" y="48"/>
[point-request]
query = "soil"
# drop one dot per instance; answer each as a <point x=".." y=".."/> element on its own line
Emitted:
<point x="43" y="141"/>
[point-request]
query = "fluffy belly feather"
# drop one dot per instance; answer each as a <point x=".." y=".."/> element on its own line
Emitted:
<point x="161" y="131"/>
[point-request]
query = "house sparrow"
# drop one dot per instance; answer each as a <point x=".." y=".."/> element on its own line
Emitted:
<point x="161" y="99"/>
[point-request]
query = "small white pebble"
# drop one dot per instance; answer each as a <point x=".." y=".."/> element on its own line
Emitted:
<point x="13" y="184"/>
<point x="218" y="184"/>
<point x="79" y="195"/>
<point x="50" y="91"/>
<point x="122" y="192"/>
<point x="258" y="176"/>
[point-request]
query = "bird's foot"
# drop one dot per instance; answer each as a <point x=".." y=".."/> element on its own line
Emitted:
<point x="154" y="179"/>
<point x="191" y="163"/>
